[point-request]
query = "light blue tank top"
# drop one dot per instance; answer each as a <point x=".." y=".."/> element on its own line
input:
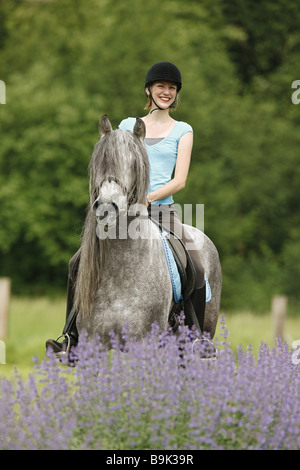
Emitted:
<point x="162" y="155"/>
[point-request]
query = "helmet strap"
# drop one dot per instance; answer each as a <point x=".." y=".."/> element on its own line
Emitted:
<point x="158" y="107"/>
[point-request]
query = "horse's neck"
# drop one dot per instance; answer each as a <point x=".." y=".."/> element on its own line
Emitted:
<point x="132" y="248"/>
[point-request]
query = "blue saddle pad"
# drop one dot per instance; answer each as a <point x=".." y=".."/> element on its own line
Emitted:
<point x="174" y="273"/>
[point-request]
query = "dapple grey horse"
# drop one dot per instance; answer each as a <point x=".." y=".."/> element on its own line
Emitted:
<point x="123" y="277"/>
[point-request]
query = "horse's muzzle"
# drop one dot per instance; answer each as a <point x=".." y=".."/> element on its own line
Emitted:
<point x="106" y="213"/>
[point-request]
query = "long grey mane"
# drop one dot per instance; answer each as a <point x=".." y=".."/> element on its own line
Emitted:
<point x="120" y="155"/>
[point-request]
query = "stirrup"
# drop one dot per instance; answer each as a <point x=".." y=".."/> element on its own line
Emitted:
<point x="63" y="353"/>
<point x="213" y="357"/>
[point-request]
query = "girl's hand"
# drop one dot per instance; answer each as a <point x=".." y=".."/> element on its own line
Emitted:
<point x="148" y="201"/>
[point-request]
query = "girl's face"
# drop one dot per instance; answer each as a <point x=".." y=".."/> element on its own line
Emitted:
<point x="164" y="93"/>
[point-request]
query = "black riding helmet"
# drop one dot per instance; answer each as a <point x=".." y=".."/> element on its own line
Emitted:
<point x="163" y="71"/>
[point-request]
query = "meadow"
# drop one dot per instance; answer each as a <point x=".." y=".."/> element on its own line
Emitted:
<point x="33" y="320"/>
<point x="151" y="397"/>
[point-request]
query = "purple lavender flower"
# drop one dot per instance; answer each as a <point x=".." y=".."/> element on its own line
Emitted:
<point x="155" y="394"/>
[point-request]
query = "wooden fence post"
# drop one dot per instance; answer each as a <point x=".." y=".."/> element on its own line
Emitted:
<point x="4" y="306"/>
<point x="2" y="352"/>
<point x="279" y="311"/>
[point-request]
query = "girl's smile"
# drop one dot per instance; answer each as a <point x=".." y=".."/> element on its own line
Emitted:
<point x="165" y="92"/>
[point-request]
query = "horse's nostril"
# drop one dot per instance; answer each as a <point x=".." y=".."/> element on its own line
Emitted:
<point x="95" y="206"/>
<point x="106" y="213"/>
<point x="116" y="208"/>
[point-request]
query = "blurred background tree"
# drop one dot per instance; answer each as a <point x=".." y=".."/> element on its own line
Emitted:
<point x="67" y="62"/>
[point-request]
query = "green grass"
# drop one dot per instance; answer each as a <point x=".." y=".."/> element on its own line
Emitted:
<point x="246" y="328"/>
<point x="33" y="320"/>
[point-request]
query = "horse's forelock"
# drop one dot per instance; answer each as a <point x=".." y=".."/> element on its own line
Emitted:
<point x="122" y="155"/>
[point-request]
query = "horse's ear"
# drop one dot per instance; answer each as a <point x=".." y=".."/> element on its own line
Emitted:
<point x="105" y="126"/>
<point x="139" y="129"/>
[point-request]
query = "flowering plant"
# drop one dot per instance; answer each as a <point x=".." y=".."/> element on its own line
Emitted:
<point x="155" y="394"/>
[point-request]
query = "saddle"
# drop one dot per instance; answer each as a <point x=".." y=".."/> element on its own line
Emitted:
<point x="187" y="275"/>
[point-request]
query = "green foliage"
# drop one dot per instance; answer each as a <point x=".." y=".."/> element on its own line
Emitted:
<point x="66" y="63"/>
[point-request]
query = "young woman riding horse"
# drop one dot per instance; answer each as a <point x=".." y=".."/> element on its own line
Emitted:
<point x="169" y="146"/>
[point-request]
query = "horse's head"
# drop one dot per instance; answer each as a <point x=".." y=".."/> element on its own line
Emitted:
<point x="119" y="171"/>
